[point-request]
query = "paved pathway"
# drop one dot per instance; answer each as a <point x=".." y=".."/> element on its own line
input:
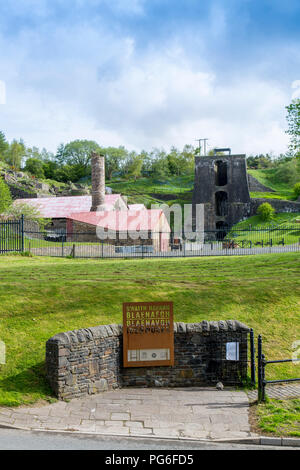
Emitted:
<point x="291" y="390"/>
<point x="192" y="413"/>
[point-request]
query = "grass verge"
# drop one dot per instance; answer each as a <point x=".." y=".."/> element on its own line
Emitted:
<point x="40" y="297"/>
<point x="277" y="417"/>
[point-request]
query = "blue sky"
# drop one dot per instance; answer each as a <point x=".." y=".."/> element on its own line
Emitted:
<point x="149" y="73"/>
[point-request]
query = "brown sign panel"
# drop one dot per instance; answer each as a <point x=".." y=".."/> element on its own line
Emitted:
<point x="148" y="334"/>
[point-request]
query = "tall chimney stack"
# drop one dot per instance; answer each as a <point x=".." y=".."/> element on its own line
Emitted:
<point x="98" y="182"/>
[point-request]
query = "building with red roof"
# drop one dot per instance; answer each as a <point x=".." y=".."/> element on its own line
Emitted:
<point x="103" y="216"/>
<point x="127" y="227"/>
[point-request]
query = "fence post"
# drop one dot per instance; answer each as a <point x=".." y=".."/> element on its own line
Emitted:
<point x="252" y="349"/>
<point x="62" y="248"/>
<point x="22" y="233"/>
<point x="259" y="366"/>
<point x="263" y="383"/>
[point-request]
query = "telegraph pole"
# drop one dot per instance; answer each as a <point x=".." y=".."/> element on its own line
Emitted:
<point x="202" y="140"/>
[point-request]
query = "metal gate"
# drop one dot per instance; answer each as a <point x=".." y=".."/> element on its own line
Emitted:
<point x="12" y="236"/>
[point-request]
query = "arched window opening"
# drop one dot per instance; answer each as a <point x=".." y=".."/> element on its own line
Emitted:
<point x="220" y="173"/>
<point x="221" y="203"/>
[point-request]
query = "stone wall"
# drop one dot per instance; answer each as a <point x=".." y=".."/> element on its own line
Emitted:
<point x="88" y="361"/>
<point x="255" y="185"/>
<point x="21" y="193"/>
<point x="279" y="205"/>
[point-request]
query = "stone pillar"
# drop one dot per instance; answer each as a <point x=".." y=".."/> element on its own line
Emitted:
<point x="98" y="182"/>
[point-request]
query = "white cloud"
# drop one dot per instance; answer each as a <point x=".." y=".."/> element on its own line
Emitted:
<point x="87" y="83"/>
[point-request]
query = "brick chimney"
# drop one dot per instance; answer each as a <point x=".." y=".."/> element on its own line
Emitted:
<point x="98" y="182"/>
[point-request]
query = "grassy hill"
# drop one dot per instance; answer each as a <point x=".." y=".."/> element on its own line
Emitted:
<point x="180" y="189"/>
<point x="152" y="191"/>
<point x="281" y="190"/>
<point x="40" y="297"/>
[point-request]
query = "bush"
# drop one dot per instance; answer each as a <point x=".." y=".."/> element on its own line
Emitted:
<point x="5" y="197"/>
<point x="30" y="213"/>
<point x="266" y="212"/>
<point x="297" y="189"/>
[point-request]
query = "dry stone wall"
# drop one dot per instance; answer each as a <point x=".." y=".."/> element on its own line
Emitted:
<point x="88" y="361"/>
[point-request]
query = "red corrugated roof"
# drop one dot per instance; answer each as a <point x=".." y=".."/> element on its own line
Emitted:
<point x="63" y="207"/>
<point x="130" y="220"/>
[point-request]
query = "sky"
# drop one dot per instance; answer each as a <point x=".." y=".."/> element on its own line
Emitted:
<point x="149" y="73"/>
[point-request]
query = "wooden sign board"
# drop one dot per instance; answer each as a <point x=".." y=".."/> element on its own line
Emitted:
<point x="148" y="334"/>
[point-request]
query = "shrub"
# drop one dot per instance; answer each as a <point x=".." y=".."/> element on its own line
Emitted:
<point x="266" y="212"/>
<point x="297" y="189"/>
<point x="5" y="197"/>
<point x="30" y="213"/>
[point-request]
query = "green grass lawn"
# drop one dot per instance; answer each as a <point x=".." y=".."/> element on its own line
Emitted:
<point x="281" y="190"/>
<point x="279" y="417"/>
<point x="40" y="297"/>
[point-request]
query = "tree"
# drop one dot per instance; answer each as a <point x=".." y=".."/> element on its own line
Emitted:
<point x="286" y="172"/>
<point x="79" y="152"/>
<point x="15" y="153"/>
<point x="5" y="197"/>
<point x="266" y="212"/>
<point x="3" y="145"/>
<point x="33" y="153"/>
<point x="115" y="160"/>
<point x="35" y="167"/>
<point x="134" y="165"/>
<point x="293" y="119"/>
<point x="159" y="167"/>
<point x="49" y="168"/>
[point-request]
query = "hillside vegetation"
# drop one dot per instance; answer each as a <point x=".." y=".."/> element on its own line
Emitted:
<point x="149" y="191"/>
<point x="40" y="297"/>
<point x="266" y="177"/>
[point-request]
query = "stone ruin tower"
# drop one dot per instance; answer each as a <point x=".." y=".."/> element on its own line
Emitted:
<point x="221" y="184"/>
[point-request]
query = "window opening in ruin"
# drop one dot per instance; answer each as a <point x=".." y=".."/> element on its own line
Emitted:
<point x="220" y="173"/>
<point x="221" y="203"/>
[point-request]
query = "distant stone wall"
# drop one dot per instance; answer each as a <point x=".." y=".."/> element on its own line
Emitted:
<point x="279" y="205"/>
<point x="255" y="185"/>
<point x="88" y="361"/>
<point x="19" y="193"/>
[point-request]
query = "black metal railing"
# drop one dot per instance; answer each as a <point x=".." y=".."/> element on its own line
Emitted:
<point x="261" y="365"/>
<point x="11" y="236"/>
<point x="246" y="241"/>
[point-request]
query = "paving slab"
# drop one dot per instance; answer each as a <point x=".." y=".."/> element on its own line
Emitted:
<point x="193" y="413"/>
<point x="278" y="391"/>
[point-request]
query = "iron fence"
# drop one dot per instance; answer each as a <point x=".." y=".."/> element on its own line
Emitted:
<point x="261" y="365"/>
<point x="165" y="245"/>
<point x="272" y="239"/>
<point x="11" y="236"/>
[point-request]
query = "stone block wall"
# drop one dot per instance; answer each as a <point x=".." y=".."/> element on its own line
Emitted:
<point x="88" y="361"/>
<point x="279" y="205"/>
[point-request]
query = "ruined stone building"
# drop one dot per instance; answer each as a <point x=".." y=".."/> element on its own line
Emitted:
<point x="221" y="184"/>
